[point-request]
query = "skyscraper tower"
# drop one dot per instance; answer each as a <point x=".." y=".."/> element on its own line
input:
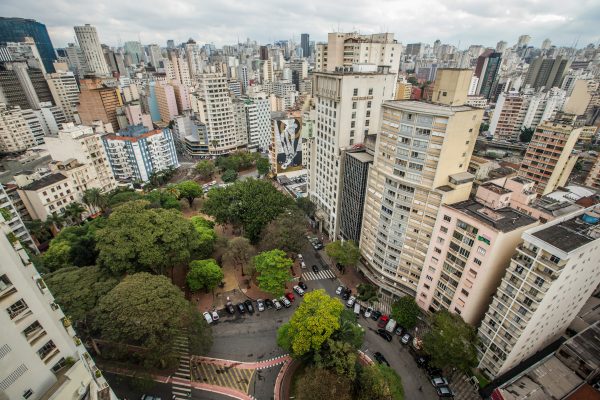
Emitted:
<point x="16" y="29"/>
<point x="87" y="36"/>
<point x="305" y="44"/>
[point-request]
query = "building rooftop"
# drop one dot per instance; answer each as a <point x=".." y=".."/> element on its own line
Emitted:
<point x="584" y="346"/>
<point x="504" y="219"/>
<point x="572" y="233"/>
<point x="362" y="156"/>
<point x="421" y="106"/>
<point x="45" y="182"/>
<point x="492" y="187"/>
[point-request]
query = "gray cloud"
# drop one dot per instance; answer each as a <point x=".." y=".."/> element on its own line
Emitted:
<point x="224" y="21"/>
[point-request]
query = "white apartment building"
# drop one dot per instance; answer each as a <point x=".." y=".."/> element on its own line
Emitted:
<point x="348" y="106"/>
<point x="88" y="40"/>
<point x="15" y="133"/>
<point x="14" y="221"/>
<point x="65" y="92"/>
<point x="83" y="144"/>
<point x="549" y="279"/>
<point x="258" y="115"/>
<point x="48" y="194"/>
<point x="42" y="357"/>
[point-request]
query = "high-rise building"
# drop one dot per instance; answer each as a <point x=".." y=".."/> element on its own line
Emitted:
<point x="488" y="65"/>
<point x="593" y="178"/>
<point x="547" y="72"/>
<point x="550" y="159"/>
<point x="135" y="51"/>
<point x="258" y="115"/>
<point x="155" y="54"/>
<point x="501" y="46"/>
<point x="355" y="167"/>
<point x="17" y="29"/>
<point x="136" y="153"/>
<point x="88" y="40"/>
<point x="421" y="162"/>
<point x="65" y="92"/>
<point x="42" y="356"/>
<point x="523" y="41"/>
<point x="167" y="103"/>
<point x="14" y="221"/>
<point x="305" y="44"/>
<point x="23" y="86"/>
<point x="550" y="277"/>
<point x="98" y="102"/>
<point x="15" y="133"/>
<point x="76" y="60"/>
<point x="348" y="109"/>
<point x="546" y="44"/>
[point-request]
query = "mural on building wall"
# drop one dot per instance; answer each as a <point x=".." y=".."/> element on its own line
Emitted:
<point x="288" y="144"/>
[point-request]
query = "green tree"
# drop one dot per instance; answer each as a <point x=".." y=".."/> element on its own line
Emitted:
<point x="406" y="312"/>
<point x="57" y="256"/>
<point x="317" y="383"/>
<point x="484" y="127"/>
<point x="344" y="252"/>
<point x="139" y="239"/>
<point x="229" y="176"/>
<point x="95" y="200"/>
<point x="205" y="169"/>
<point x="189" y="190"/>
<point x="123" y="196"/>
<point x="148" y="311"/>
<point x="451" y="342"/>
<point x="39" y="230"/>
<point x="349" y="331"/>
<point x="250" y="204"/>
<point x="239" y="252"/>
<point x="338" y="356"/>
<point x="73" y="212"/>
<point x="306" y="205"/>
<point x="274" y="271"/>
<point x="286" y="232"/>
<point x="526" y="134"/>
<point x="204" y="274"/>
<point x="412" y="80"/>
<point x="55" y="221"/>
<point x="313" y="322"/>
<point x="78" y="290"/>
<point x="262" y="166"/>
<point x="367" y="293"/>
<point x="208" y="237"/>
<point x="379" y="382"/>
<point x="167" y="198"/>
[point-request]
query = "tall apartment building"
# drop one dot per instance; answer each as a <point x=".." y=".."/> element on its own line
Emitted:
<point x="472" y="242"/>
<point x="305" y="44"/>
<point x="348" y="106"/>
<point x="65" y="92"/>
<point x="45" y="195"/>
<point x="356" y="166"/>
<point x="550" y="159"/>
<point x="15" y="133"/>
<point x="76" y="60"/>
<point x="258" y="116"/>
<point x="88" y="40"/>
<point x="136" y="153"/>
<point x="134" y="49"/>
<point x="155" y="54"/>
<point x="42" y="357"/>
<point x="16" y="29"/>
<point x="421" y="162"/>
<point x="167" y="102"/>
<point x="98" y="102"/>
<point x="593" y="178"/>
<point x="488" y="66"/>
<point x="403" y="91"/>
<point x="347" y="49"/>
<point x="550" y="277"/>
<point x="213" y="104"/>
<point x="84" y="145"/>
<point x="547" y="72"/>
<point x="23" y="86"/>
<point x="508" y="115"/>
<point x="14" y="221"/>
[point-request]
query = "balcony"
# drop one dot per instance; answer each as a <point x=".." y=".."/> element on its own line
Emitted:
<point x="6" y="289"/>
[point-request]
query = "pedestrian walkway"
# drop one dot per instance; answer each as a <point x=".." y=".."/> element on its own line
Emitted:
<point x="462" y="387"/>
<point x="224" y="376"/>
<point x="384" y="304"/>
<point x="181" y="383"/>
<point x="322" y="274"/>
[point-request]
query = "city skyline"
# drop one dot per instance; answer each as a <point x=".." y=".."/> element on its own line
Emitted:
<point x="222" y="23"/>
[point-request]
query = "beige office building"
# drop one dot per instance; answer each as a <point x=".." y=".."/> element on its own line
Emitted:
<point x="65" y="92"/>
<point x="88" y="40"/>
<point x="15" y="134"/>
<point x="421" y="161"/>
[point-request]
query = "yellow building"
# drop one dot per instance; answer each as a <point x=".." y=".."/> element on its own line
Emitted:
<point x="403" y="90"/>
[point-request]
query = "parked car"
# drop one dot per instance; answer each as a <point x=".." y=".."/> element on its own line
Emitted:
<point x="299" y="290"/>
<point x="357" y="309"/>
<point x="391" y="326"/>
<point x="346" y="294"/>
<point x="277" y="304"/>
<point x="384" y="334"/>
<point x="229" y="308"/>
<point x="300" y="257"/>
<point x="433" y="371"/>
<point x="215" y="316"/>
<point x="381" y="359"/>
<point x="406" y="338"/>
<point x="315" y="268"/>
<point x="303" y="286"/>
<point x="368" y="312"/>
<point x="269" y="304"/>
<point x="375" y="315"/>
<point x="383" y="321"/>
<point x="207" y="317"/>
<point x="286" y="302"/>
<point x="241" y="308"/>
<point x="148" y="397"/>
<point x="439" y="381"/>
<point x="249" y="306"/>
<point x="399" y="330"/>
<point x="422" y="362"/>
<point x="339" y="290"/>
<point x="290" y="296"/>
<point x="444" y="391"/>
<point x="350" y="301"/>
<point x="260" y="304"/>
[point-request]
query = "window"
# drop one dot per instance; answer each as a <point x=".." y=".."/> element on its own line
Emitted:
<point x="353" y="115"/>
<point x="444" y="229"/>
<point x="465" y="292"/>
<point x="369" y="104"/>
<point x="481" y="250"/>
<point x="437" y="250"/>
<point x="27" y="394"/>
<point x="539" y="281"/>
<point x="447" y="218"/>
<point x="46" y="349"/>
<point x="355" y="93"/>
<point x="354" y="105"/>
<point x="477" y="261"/>
<point x="17" y="308"/>
<point x="32" y="329"/>
<point x="370" y="91"/>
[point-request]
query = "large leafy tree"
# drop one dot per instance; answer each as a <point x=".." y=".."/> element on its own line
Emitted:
<point x="57" y="256"/>
<point x="313" y="322"/>
<point x="349" y="331"/>
<point x="73" y="212"/>
<point x="95" y="200"/>
<point x="451" y="342"/>
<point x="145" y="310"/>
<point x="286" y="232"/>
<point x="250" y="204"/>
<point x="39" y="230"/>
<point x="204" y="274"/>
<point x="123" y="196"/>
<point x="338" y="356"/>
<point x="379" y="382"/>
<point x="344" y="252"/>
<point x="367" y="293"/>
<point x="273" y="268"/>
<point x="306" y="205"/>
<point x="229" y="176"/>
<point x="239" y="252"/>
<point x="166" y="198"/>
<point x="263" y="166"/>
<point x="406" y="312"/>
<point x="208" y="237"/>
<point x="139" y="239"/>
<point x="189" y="190"/>
<point x="78" y="290"/>
<point x="205" y="169"/>
<point x="526" y="134"/>
<point x="317" y="383"/>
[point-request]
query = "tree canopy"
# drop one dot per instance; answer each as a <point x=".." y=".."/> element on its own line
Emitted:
<point x="313" y="322"/>
<point x="189" y="190"/>
<point x="250" y="204"/>
<point x="406" y="311"/>
<point x="274" y="271"/>
<point x="237" y="161"/>
<point x="345" y="253"/>
<point x="263" y="166"/>
<point x="306" y="205"/>
<point x="367" y="293"/>
<point x="229" y="176"/>
<point x="239" y="252"/>
<point x="318" y="383"/>
<point x="379" y="382"/>
<point x="204" y="274"/>
<point x="138" y="239"/>
<point x="205" y="169"/>
<point x="349" y="331"/>
<point x="451" y="342"/>
<point x="285" y="232"/>
<point x="207" y="236"/>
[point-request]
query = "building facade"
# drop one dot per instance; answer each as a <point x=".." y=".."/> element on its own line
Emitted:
<point x="16" y="29"/>
<point x="89" y="42"/>
<point x="356" y="166"/>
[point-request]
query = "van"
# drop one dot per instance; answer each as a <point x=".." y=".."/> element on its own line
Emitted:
<point x="357" y="309"/>
<point x="391" y="325"/>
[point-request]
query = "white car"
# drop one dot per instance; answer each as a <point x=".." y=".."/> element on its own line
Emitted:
<point x="299" y="290"/>
<point x="260" y="305"/>
<point x="285" y="301"/>
<point x="215" y="316"/>
<point x="339" y="289"/>
<point x="350" y="301"/>
<point x="302" y="264"/>
<point x="277" y="304"/>
<point x="300" y="257"/>
<point x="368" y="312"/>
<point x="207" y="317"/>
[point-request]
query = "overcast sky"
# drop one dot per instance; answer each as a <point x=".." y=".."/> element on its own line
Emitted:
<point x="224" y="21"/>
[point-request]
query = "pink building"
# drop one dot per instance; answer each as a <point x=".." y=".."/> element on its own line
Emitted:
<point x="135" y="116"/>
<point x="471" y="246"/>
<point x="167" y="102"/>
<point x="182" y="97"/>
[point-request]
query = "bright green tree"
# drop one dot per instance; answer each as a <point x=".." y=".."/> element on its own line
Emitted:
<point x="344" y="252"/>
<point x="73" y="212"/>
<point x="349" y="331"/>
<point x="262" y="166"/>
<point x="189" y="190"/>
<point x="123" y="196"/>
<point x="57" y="256"/>
<point x="286" y="232"/>
<point x="313" y="322"/>
<point x="205" y="169"/>
<point x="138" y="239"/>
<point x="451" y="342"/>
<point x="338" y="356"/>
<point x="273" y="268"/>
<point x="229" y="176"/>
<point x="204" y="274"/>
<point x="406" y="312"/>
<point x="208" y="237"/>
<point x="379" y="382"/>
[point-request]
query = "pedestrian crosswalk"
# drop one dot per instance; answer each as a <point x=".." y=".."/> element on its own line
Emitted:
<point x="182" y="387"/>
<point x="322" y="274"/>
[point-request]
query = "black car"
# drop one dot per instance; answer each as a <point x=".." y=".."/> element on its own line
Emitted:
<point x="381" y="359"/>
<point x="422" y="361"/>
<point x="268" y="304"/>
<point x="346" y="294"/>
<point x="249" y="306"/>
<point x="303" y="286"/>
<point x="230" y="308"/>
<point x="375" y="315"/>
<point x="315" y="269"/>
<point x="433" y="371"/>
<point x="241" y="308"/>
<point x="384" y="334"/>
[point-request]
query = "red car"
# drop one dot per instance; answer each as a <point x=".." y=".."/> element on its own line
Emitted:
<point x="290" y="296"/>
<point x="383" y="320"/>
